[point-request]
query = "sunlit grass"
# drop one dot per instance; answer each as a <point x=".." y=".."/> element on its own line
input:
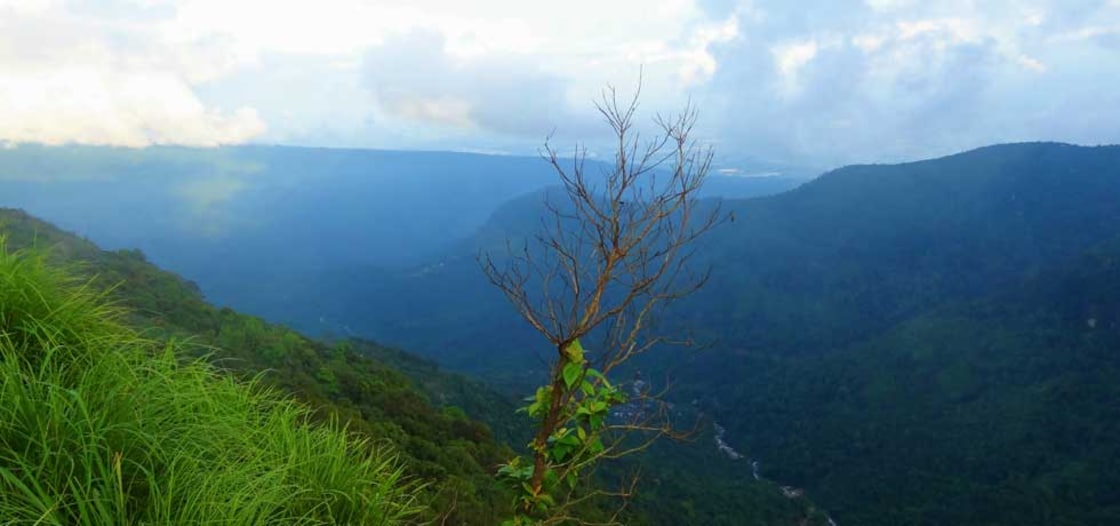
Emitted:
<point x="100" y="426"/>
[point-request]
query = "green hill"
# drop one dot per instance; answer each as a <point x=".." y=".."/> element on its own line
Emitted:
<point x="439" y="446"/>
<point x="100" y="425"/>
<point x="999" y="410"/>
<point x="927" y="343"/>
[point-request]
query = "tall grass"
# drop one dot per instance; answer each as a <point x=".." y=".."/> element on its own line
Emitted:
<point x="100" y="426"/>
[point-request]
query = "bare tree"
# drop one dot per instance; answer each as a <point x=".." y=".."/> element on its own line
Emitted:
<point x="612" y="251"/>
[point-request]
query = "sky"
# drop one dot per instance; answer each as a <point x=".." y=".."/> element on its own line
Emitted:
<point x="814" y="82"/>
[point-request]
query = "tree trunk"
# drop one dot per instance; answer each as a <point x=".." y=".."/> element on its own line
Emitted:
<point x="548" y="425"/>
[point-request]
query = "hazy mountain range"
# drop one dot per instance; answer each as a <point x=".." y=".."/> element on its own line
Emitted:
<point x="283" y="212"/>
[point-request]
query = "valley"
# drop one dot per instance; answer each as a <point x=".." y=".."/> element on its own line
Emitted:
<point x="897" y="340"/>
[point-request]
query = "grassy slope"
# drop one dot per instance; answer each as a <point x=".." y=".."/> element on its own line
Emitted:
<point x="454" y="454"/>
<point x="99" y="425"/>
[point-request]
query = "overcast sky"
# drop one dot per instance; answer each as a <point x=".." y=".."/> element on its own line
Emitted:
<point x="820" y="82"/>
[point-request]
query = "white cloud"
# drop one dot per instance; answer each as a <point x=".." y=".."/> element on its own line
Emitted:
<point x="829" y="80"/>
<point x="608" y="31"/>
<point x="82" y="78"/>
<point x="499" y="93"/>
<point x="96" y="57"/>
<point x="513" y="70"/>
<point x="789" y="59"/>
<point x="91" y="105"/>
<point x="698" y="64"/>
<point x="834" y="82"/>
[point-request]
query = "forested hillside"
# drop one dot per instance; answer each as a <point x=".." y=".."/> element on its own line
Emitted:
<point x="999" y="410"/>
<point x="424" y="419"/>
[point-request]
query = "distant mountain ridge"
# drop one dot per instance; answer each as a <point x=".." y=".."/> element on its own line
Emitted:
<point x="901" y="238"/>
<point x="274" y="214"/>
<point x="857" y="249"/>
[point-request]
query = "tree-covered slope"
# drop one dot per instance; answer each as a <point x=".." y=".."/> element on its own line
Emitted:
<point x="455" y="455"/>
<point x="941" y="354"/>
<point x="1000" y="410"/>
<point x="864" y="247"/>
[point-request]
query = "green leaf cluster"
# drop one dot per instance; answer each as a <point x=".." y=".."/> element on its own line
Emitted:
<point x="574" y="448"/>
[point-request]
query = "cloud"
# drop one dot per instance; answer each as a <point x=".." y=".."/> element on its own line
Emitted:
<point x="424" y="64"/>
<point x="897" y="80"/>
<point x="90" y="76"/>
<point x="789" y="58"/>
<point x="467" y="84"/>
<point x="815" y="82"/>
<point x="507" y="93"/>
